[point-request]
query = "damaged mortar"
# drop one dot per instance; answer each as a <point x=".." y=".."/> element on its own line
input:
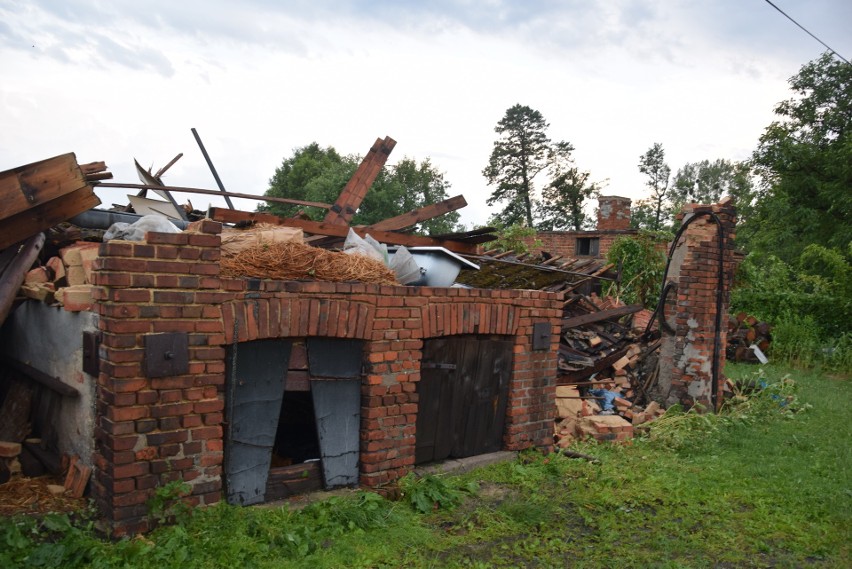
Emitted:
<point x="686" y="353"/>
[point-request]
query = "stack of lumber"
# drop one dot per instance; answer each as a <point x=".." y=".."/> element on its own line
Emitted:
<point x="745" y="331"/>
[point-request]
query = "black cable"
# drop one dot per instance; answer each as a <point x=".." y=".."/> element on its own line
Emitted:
<point x="807" y="32"/>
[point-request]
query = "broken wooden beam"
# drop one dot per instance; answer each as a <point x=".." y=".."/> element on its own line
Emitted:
<point x="420" y="214"/>
<point x="323" y="228"/>
<point x="602" y="315"/>
<point x="37" y="196"/>
<point x="357" y="187"/>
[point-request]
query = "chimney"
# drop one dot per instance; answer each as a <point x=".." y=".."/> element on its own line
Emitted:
<point x="613" y="213"/>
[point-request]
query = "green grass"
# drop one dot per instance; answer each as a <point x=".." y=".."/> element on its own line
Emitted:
<point x="766" y="484"/>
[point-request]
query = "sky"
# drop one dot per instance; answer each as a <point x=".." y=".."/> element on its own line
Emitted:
<point x="115" y="80"/>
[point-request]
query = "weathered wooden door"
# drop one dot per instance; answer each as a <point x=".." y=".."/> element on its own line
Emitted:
<point x="256" y="375"/>
<point x="335" y="366"/>
<point x="463" y="393"/>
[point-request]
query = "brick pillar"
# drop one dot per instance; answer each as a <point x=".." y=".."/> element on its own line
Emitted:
<point x="151" y="431"/>
<point x="532" y="390"/>
<point x="613" y="213"/>
<point x="686" y="355"/>
<point x="388" y="393"/>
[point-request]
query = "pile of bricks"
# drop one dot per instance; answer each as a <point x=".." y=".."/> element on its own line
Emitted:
<point x="65" y="279"/>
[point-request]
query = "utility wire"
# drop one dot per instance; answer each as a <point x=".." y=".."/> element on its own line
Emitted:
<point x="807" y="32"/>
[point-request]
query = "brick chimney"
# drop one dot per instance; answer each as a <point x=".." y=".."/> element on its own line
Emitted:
<point x="613" y="213"/>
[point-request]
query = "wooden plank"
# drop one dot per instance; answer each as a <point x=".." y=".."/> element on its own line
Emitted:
<point x="356" y="189"/>
<point x="602" y="315"/>
<point x="185" y="190"/>
<point x="487" y="396"/>
<point x="255" y="376"/>
<point x="287" y="481"/>
<point x="45" y="379"/>
<point x="424" y="213"/>
<point x="34" y="220"/>
<point x="40" y="182"/>
<point x="572" y="377"/>
<point x="337" y="407"/>
<point x="323" y="228"/>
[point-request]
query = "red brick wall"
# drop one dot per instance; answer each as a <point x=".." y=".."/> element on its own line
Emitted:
<point x="686" y="356"/>
<point x="564" y="243"/>
<point x="154" y="430"/>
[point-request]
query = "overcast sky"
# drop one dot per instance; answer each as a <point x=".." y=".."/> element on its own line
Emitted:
<point x="113" y="80"/>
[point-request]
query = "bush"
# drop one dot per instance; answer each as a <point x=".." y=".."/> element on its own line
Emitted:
<point x="642" y="263"/>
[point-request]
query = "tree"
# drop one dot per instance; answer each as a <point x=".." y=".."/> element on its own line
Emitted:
<point x="653" y="165"/>
<point x="519" y="155"/>
<point x="804" y="163"/>
<point x="561" y="206"/>
<point x="706" y="182"/>
<point x="319" y="174"/>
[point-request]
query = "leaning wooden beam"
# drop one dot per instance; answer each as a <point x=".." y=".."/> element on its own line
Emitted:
<point x="180" y="189"/>
<point x="39" y="376"/>
<point x="14" y="264"/>
<point x="602" y="315"/>
<point x="424" y="213"/>
<point x="356" y="189"/>
<point x="323" y="228"/>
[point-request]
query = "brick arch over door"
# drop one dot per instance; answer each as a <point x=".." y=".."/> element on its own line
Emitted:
<point x="261" y="318"/>
<point x="450" y="319"/>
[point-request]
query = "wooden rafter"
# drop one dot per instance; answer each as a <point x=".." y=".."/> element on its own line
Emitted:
<point x="356" y="189"/>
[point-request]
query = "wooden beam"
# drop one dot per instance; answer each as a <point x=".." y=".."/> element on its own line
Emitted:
<point x="323" y="228"/>
<point x="39" y="376"/>
<point x="32" y="185"/>
<point x="602" y="315"/>
<point x="356" y="189"/>
<point x="181" y="189"/>
<point x="35" y="220"/>
<point x="567" y="378"/>
<point x="424" y="213"/>
<point x="17" y="263"/>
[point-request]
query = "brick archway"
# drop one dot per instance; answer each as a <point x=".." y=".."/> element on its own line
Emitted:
<point x="261" y="318"/>
<point x="450" y="319"/>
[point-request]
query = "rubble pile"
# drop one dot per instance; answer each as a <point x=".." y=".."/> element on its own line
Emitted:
<point x="607" y="368"/>
<point x="748" y="338"/>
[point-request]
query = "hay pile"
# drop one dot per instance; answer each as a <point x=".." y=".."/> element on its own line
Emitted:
<point x="22" y="495"/>
<point x="297" y="261"/>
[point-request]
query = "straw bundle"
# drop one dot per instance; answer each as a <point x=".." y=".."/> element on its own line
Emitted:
<point x="297" y="261"/>
<point x="22" y="495"/>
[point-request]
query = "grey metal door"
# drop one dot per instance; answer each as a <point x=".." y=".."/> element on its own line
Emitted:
<point x="255" y="381"/>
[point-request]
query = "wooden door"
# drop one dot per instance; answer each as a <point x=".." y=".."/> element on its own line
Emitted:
<point x="463" y="394"/>
<point x="255" y="376"/>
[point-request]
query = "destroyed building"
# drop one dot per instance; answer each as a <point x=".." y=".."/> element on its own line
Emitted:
<point x="165" y="360"/>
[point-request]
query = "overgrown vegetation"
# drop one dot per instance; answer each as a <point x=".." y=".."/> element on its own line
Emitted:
<point x="763" y="484"/>
<point x="641" y="260"/>
<point x="808" y="303"/>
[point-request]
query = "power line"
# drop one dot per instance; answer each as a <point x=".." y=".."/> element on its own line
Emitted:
<point x="807" y="32"/>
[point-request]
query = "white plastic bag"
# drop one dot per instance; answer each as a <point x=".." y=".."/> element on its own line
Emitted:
<point x="136" y="231"/>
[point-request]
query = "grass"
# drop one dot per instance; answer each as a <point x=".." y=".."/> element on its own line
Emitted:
<point x="766" y="484"/>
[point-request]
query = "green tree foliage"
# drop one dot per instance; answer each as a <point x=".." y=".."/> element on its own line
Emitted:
<point x="518" y="238"/>
<point x="641" y="261"/>
<point x="520" y="153"/>
<point x="654" y="212"/>
<point x="561" y="206"/>
<point x="804" y="162"/>
<point x="319" y="174"/>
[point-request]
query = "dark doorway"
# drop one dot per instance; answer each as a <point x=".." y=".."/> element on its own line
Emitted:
<point x="463" y="393"/>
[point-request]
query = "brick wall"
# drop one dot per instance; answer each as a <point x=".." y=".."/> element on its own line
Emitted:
<point x="153" y="430"/>
<point x="686" y="355"/>
<point x="564" y="243"/>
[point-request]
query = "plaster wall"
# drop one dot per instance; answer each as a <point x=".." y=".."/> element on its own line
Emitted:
<point x="50" y="339"/>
